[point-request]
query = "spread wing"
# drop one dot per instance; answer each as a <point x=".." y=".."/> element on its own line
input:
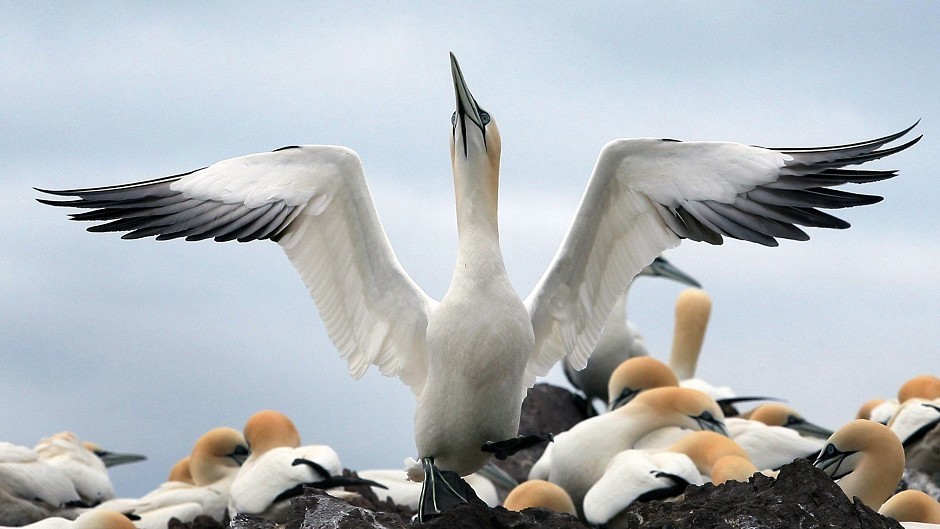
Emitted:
<point x="312" y="200"/>
<point x="647" y="194"/>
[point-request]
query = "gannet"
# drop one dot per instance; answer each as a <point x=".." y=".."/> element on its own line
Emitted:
<point x="84" y="463"/>
<point x="912" y="506"/>
<point x="539" y="493"/>
<point x="93" y="519"/>
<point x="279" y="468"/>
<point x="925" y="387"/>
<point x="180" y="471"/>
<point x="778" y="414"/>
<point x="470" y="357"/>
<point x="867" y="460"/>
<point x="917" y="424"/>
<point x="619" y="340"/>
<point x="771" y="447"/>
<point x="214" y="462"/>
<point x="31" y="489"/>
<point x="579" y="456"/>
<point x="635" y="375"/>
<point x="643" y="475"/>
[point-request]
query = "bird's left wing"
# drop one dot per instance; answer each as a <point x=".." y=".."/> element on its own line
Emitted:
<point x="647" y="194"/>
<point x="312" y="200"/>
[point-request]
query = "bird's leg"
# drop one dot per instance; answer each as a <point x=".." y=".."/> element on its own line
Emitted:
<point x="508" y="447"/>
<point x="442" y="490"/>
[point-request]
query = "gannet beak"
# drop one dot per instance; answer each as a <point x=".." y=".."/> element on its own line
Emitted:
<point x="807" y="428"/>
<point x="625" y="396"/>
<point x="111" y="459"/>
<point x="467" y="107"/>
<point x="830" y="461"/>
<point x="660" y="267"/>
<point x="707" y="421"/>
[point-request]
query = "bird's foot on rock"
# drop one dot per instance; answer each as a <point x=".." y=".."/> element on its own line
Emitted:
<point x="442" y="490"/>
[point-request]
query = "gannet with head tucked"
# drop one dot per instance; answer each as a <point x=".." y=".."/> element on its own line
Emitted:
<point x="470" y="357"/>
<point x="279" y="468"/>
<point x="539" y="493"/>
<point x="635" y="375"/>
<point x="213" y="463"/>
<point x="619" y="341"/>
<point x="31" y="489"/>
<point x="93" y="519"/>
<point x="580" y="455"/>
<point x="778" y="414"/>
<point x="911" y="507"/>
<point x="85" y="464"/>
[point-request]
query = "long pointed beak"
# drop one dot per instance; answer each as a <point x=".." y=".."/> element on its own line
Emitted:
<point x="660" y="267"/>
<point x="467" y="107"/>
<point x="111" y="459"/>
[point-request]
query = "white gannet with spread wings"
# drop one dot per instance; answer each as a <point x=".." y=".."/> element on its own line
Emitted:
<point x="470" y="357"/>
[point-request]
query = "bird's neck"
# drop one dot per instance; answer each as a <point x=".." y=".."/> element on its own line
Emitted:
<point x="475" y="185"/>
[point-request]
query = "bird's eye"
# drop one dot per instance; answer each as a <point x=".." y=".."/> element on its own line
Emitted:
<point x="484" y="117"/>
<point x="453" y="119"/>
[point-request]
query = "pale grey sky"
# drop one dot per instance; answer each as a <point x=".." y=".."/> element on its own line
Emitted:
<point x="142" y="346"/>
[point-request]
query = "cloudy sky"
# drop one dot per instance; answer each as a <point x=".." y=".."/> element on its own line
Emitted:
<point x="142" y="346"/>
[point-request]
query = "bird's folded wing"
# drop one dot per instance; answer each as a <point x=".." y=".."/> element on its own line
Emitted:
<point x="647" y="194"/>
<point x="313" y="200"/>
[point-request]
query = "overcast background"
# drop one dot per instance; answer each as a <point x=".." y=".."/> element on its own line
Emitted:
<point x="142" y="346"/>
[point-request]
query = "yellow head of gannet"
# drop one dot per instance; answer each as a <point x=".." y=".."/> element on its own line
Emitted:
<point x="635" y="375"/>
<point x="217" y="455"/>
<point x="866" y="458"/>
<point x="180" y="471"/>
<point x="865" y="410"/>
<point x="693" y="309"/>
<point x="539" y="493"/>
<point x="777" y="414"/>
<point x="269" y="429"/>
<point x="102" y="519"/>
<point x="732" y="468"/>
<point x="912" y="506"/>
<point x="705" y="448"/>
<point x="925" y="387"/>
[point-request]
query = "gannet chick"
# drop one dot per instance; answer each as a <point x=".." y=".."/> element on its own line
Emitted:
<point x="539" y="493"/>
<point x="635" y="375"/>
<point x="92" y="519"/>
<point x="777" y="414"/>
<point x="279" y="468"/>
<point x="470" y="357"/>
<point x="85" y="464"/>
<point x="867" y="460"/>
<point x="31" y="489"/>
<point x="619" y="340"/>
<point x="912" y="506"/>
<point x="214" y="462"/>
<point x="579" y="456"/>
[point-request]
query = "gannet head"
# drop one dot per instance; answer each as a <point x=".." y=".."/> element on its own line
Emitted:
<point x="539" y="493"/>
<point x="688" y="408"/>
<point x="110" y="458"/>
<point x="475" y="139"/>
<point x="217" y="454"/>
<point x="635" y="375"/>
<point x="922" y="386"/>
<point x="102" y="519"/>
<point x="867" y="458"/>
<point x="777" y="414"/>
<point x="269" y="429"/>
<point x="660" y="267"/>
<point x="706" y="448"/>
<point x="180" y="471"/>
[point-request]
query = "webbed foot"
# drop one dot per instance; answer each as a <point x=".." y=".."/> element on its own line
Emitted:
<point x="442" y="490"/>
<point x="508" y="447"/>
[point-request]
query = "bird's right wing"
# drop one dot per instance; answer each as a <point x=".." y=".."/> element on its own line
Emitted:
<point x="314" y="201"/>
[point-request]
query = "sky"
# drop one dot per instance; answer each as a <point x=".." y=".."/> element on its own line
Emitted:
<point x="142" y="346"/>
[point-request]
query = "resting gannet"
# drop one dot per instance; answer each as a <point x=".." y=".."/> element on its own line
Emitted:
<point x="867" y="460"/>
<point x="470" y="357"/>
<point x="279" y="468"/>
<point x="93" y="519"/>
<point x="180" y="471"/>
<point x="396" y="486"/>
<point x="619" y="341"/>
<point x="31" y="489"/>
<point x="777" y="414"/>
<point x="579" y="456"/>
<point x="925" y="387"/>
<point x="643" y="475"/>
<point x="214" y="461"/>
<point x="917" y="424"/>
<point x="85" y="464"/>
